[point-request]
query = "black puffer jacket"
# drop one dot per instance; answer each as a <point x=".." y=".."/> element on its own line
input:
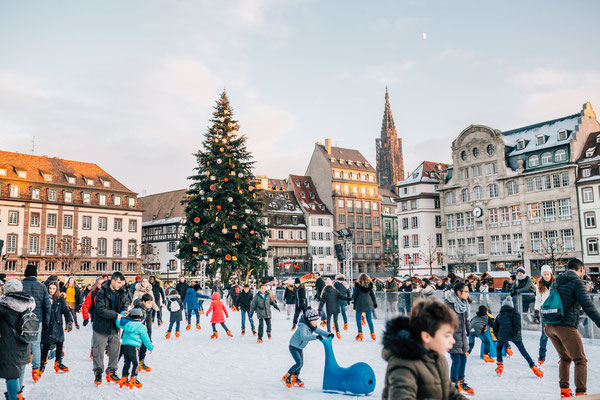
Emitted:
<point x="39" y="292"/>
<point x="109" y="304"/>
<point x="343" y="290"/>
<point x="244" y="300"/>
<point x="319" y="285"/>
<point x="54" y="332"/>
<point x="289" y="297"/>
<point x="363" y="297"/>
<point x="573" y="294"/>
<point x="522" y="286"/>
<point x="507" y="326"/>
<point x="301" y="300"/>
<point x="159" y="293"/>
<point x="331" y="299"/>
<point x="13" y="352"/>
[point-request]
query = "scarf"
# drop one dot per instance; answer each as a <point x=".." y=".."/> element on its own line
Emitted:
<point x="460" y="306"/>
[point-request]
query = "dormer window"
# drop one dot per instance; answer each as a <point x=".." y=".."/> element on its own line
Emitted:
<point x="597" y="141"/>
<point x="541" y="139"/>
<point x="290" y="207"/>
<point x="520" y="144"/>
<point x="104" y="182"/>
<point x="590" y="152"/>
<point x="297" y="183"/>
<point x="294" y="220"/>
<point x="270" y="195"/>
<point x="322" y="207"/>
<point x="586" y="172"/>
<point x="562" y="134"/>
<point x="3" y="171"/>
<point x="47" y="177"/>
<point x="70" y="179"/>
<point x="306" y="184"/>
<point x="302" y="195"/>
<point x="273" y="205"/>
<point x="312" y="195"/>
<point x="21" y="173"/>
<point x="131" y="202"/>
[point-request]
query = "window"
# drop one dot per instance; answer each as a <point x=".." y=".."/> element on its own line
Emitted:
<point x="279" y="234"/>
<point x="86" y="198"/>
<point x="564" y="177"/>
<point x="476" y="171"/>
<point x="451" y="248"/>
<point x="464" y="173"/>
<point x="51" y="220"/>
<point x="350" y="221"/>
<point x="517" y="241"/>
<point x="117" y="247"/>
<point x="546" y="158"/>
<point x="118" y="225"/>
<point x="493" y="216"/>
<point x="549" y="210"/>
<point x="560" y="155"/>
<point x="450" y="222"/>
<point x="492" y="190"/>
<point x="515" y="214"/>
<point x="520" y="144"/>
<point x="540" y="139"/>
<point x="495" y="241"/>
<point x="117" y="200"/>
<point x="35" y="219"/>
<point x="68" y="196"/>
<point x="438" y="221"/>
<point x="33" y="244"/>
<point x="512" y="188"/>
<point x="131" y="267"/>
<point x="13" y="217"/>
<point x="480" y="245"/>
<point x="450" y="198"/>
<point x="466" y="195"/>
<point x="470" y="220"/>
<point x="342" y="219"/>
<point x="67" y="221"/>
<point x="436" y="203"/>
<point x="562" y="134"/>
<point x="529" y="185"/>
<point x="52" y="195"/>
<point x="131" y="202"/>
<point x="11" y="243"/>
<point x="86" y="246"/>
<point x="564" y="209"/>
<point x="477" y="193"/>
<point x="586" y="172"/>
<point x="556" y="180"/>
<point x="538" y="183"/>
<point x="590" y="152"/>
<point x="102" y="247"/>
<point x="491" y="169"/>
<point x="460" y="221"/>
<point x="534" y="212"/>
<point x="533" y="160"/>
<point x="592" y="246"/>
<point x="50" y="266"/>
<point x="590" y="219"/>
<point x="506" y="244"/>
<point x="291" y="235"/>
<point x="14" y="191"/>
<point x="547" y="182"/>
<point x="568" y="242"/>
<point x="87" y="223"/>
<point x="415" y="222"/>
<point x="35" y="194"/>
<point x="406" y="241"/>
<point x="536" y="241"/>
<point x="588" y="195"/>
<point x="11" y="265"/>
<point x="375" y="220"/>
<point x="340" y="203"/>
<point x="504" y="215"/>
<point x="131" y="248"/>
<point x="101" y="266"/>
<point x="438" y="240"/>
<point x="102" y="199"/>
<point x="116" y="266"/>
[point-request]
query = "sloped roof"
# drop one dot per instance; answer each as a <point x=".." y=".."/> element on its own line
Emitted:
<point x="307" y="196"/>
<point x="387" y="196"/>
<point x="427" y="172"/>
<point x="35" y="166"/>
<point x="346" y="158"/>
<point x="593" y="146"/>
<point x="277" y="201"/>
<point x="163" y="206"/>
<point x="548" y="128"/>
<point x="277" y="184"/>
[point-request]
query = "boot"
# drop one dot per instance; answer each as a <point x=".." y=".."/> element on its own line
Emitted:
<point x="541" y="360"/>
<point x="298" y="382"/>
<point x="537" y="372"/>
<point x="269" y="335"/>
<point x="500" y="368"/>
<point x="98" y="377"/>
<point x="464" y="388"/>
<point x="35" y="374"/>
<point x="509" y="351"/>
<point x="124" y="382"/>
<point x="177" y="334"/>
<point x="565" y="392"/>
<point x="133" y="382"/>
<point x="253" y="332"/>
<point x="373" y="336"/>
<point x="188" y="327"/>
<point x="42" y="368"/>
<point x="198" y="327"/>
<point x="111" y="376"/>
<point x="143" y="367"/>
<point x="345" y="326"/>
<point x="229" y="334"/>
<point x="359" y="336"/>
<point x="259" y="340"/>
<point x="488" y="359"/>
<point x="20" y="395"/>
<point x="243" y="332"/>
<point x="579" y="393"/>
<point x="201" y="312"/>
<point x="60" y="367"/>
<point x="293" y="327"/>
<point x="215" y="335"/>
<point x="168" y="335"/>
<point x="287" y="380"/>
<point x="337" y="334"/>
<point x="323" y="323"/>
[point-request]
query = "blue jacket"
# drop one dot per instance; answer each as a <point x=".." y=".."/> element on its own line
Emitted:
<point x="191" y="299"/>
<point x="134" y="333"/>
<point x="303" y="335"/>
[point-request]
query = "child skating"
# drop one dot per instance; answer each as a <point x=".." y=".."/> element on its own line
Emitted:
<point x="243" y="302"/>
<point x="192" y="306"/>
<point x="261" y="304"/>
<point x="219" y="313"/>
<point x="175" y="307"/>
<point x="135" y="335"/>
<point x="479" y="324"/>
<point x="307" y="331"/>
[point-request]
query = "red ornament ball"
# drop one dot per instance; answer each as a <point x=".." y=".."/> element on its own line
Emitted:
<point x="212" y="187"/>
<point x="252" y="232"/>
<point x="218" y="206"/>
<point x="225" y="179"/>
<point x="197" y="219"/>
<point x="228" y="257"/>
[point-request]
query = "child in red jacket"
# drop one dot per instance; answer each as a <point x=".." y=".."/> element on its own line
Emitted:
<point x="217" y="308"/>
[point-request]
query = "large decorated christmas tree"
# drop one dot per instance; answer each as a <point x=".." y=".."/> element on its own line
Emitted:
<point x="223" y="209"/>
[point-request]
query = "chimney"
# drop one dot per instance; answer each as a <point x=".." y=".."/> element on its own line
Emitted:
<point x="328" y="145"/>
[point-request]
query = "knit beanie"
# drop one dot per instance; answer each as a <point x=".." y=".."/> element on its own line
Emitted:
<point x="311" y="314"/>
<point x="546" y="268"/>
<point x="521" y="269"/>
<point x="30" y="270"/>
<point x="508" y="301"/>
<point x="297" y="281"/>
<point x="13" y="285"/>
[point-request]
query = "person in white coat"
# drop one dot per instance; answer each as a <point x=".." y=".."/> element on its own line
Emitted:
<point x="542" y="293"/>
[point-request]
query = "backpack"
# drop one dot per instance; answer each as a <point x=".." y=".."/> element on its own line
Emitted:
<point x="174" y="306"/>
<point x="28" y="327"/>
<point x="552" y="309"/>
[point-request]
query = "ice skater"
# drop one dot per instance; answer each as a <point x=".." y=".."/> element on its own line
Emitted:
<point x="175" y="307"/>
<point x="135" y="335"/>
<point x="243" y="302"/>
<point x="219" y="313"/>
<point x="261" y="304"/>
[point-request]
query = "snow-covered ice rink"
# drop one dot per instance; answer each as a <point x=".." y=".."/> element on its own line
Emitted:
<point x="196" y="367"/>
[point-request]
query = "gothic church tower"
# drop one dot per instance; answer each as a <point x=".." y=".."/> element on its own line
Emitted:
<point x="390" y="165"/>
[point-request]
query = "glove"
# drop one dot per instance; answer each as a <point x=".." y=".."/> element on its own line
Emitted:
<point x="319" y="337"/>
<point x="536" y="317"/>
<point x="375" y="305"/>
<point x="85" y="322"/>
<point x="330" y="335"/>
<point x="69" y="326"/>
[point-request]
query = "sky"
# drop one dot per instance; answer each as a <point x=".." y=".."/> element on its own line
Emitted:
<point x="131" y="85"/>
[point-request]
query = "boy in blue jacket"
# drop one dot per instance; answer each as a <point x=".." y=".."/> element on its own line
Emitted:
<point x="191" y="304"/>
<point x="134" y="335"/>
<point x="307" y="331"/>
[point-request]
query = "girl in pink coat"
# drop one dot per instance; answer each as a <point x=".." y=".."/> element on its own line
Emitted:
<point x="218" y="309"/>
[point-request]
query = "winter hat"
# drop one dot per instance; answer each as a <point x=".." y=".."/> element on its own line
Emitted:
<point x="311" y="315"/>
<point x="482" y="311"/>
<point x="30" y="270"/>
<point x="521" y="269"/>
<point x="136" y="313"/>
<point x="546" y="268"/>
<point x="297" y="281"/>
<point x="137" y="278"/>
<point x="508" y="301"/>
<point x="13" y="285"/>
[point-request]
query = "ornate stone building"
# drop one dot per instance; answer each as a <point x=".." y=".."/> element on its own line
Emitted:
<point x="390" y="165"/>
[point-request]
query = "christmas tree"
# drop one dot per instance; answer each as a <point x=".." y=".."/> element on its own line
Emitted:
<point x="223" y="209"/>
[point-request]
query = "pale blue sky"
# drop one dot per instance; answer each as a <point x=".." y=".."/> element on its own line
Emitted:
<point x="130" y="85"/>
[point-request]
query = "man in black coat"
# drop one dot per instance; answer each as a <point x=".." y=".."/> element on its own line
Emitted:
<point x="564" y="334"/>
<point x="39" y="292"/>
<point x="159" y="299"/>
<point x="524" y="286"/>
<point x="182" y="286"/>
<point x="301" y="301"/>
<point x="319" y="286"/>
<point x="242" y="302"/>
<point x="111" y="300"/>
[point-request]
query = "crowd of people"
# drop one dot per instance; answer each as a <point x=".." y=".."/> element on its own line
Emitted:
<point x="35" y="316"/>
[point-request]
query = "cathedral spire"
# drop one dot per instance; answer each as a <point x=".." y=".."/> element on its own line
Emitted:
<point x="390" y="165"/>
<point x="388" y="129"/>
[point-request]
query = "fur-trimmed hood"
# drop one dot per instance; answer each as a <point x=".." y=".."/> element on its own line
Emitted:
<point x="398" y="342"/>
<point x="18" y="301"/>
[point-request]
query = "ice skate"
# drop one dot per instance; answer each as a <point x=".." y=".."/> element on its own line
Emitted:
<point x="499" y="368"/>
<point x="215" y="335"/>
<point x="464" y="388"/>
<point x="60" y="367"/>
<point x="537" y="372"/>
<point x="359" y="336"/>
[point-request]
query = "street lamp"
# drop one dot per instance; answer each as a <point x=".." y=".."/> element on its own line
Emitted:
<point x="522" y="248"/>
<point x="410" y="265"/>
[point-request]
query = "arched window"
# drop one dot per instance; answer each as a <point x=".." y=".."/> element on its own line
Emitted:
<point x="512" y="188"/>
<point x="477" y="193"/>
<point x="546" y="158"/>
<point x="466" y="195"/>
<point x="534" y="161"/>
<point x="560" y="155"/>
<point x="492" y="190"/>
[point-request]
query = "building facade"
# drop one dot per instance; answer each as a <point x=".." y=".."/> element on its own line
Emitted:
<point x="162" y="227"/>
<point x="509" y="198"/>
<point x="420" y="220"/>
<point x="389" y="229"/>
<point x="390" y="164"/>
<point x="319" y="224"/>
<point x="347" y="184"/>
<point x="67" y="217"/>
<point x="588" y="195"/>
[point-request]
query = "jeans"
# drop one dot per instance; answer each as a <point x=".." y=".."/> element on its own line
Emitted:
<point x="543" y="341"/>
<point x="177" y="325"/>
<point x="368" y="317"/>
<point x="343" y="311"/>
<point x="457" y="370"/>
<point x="335" y="322"/>
<point x="189" y="315"/>
<point x="214" y="326"/>
<point x="130" y="357"/>
<point x="520" y="346"/>
<point x="13" y="386"/>
<point x="298" y="356"/>
<point x="244" y="314"/>
<point x="484" y="339"/>
<point x="36" y="350"/>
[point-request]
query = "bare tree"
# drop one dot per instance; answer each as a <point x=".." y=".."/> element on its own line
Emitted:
<point x="149" y="255"/>
<point x="553" y="250"/>
<point x="429" y="253"/>
<point x="462" y="266"/>
<point x="70" y="251"/>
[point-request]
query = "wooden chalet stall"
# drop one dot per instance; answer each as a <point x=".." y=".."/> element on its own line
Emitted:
<point x="496" y="279"/>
